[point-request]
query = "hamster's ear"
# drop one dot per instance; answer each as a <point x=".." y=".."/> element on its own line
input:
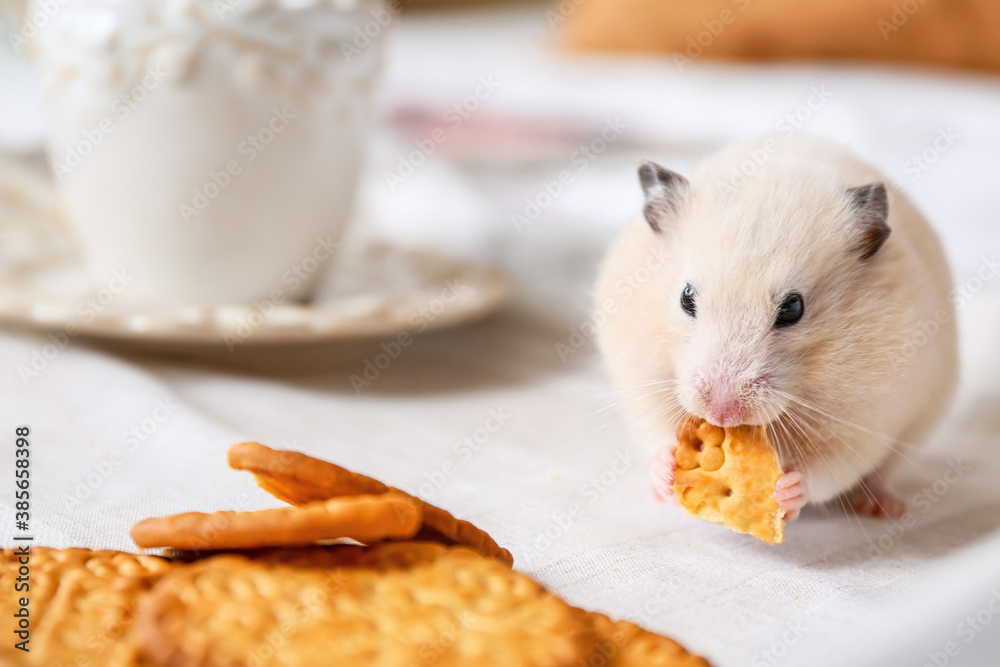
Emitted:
<point x="871" y="209"/>
<point x="663" y="189"/>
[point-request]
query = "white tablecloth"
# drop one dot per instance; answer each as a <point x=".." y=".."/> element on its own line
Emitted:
<point x="488" y="420"/>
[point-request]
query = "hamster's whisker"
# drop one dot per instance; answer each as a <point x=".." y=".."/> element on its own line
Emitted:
<point x="652" y="393"/>
<point x="627" y="391"/>
<point x="621" y="403"/>
<point x="632" y="392"/>
<point x="880" y="437"/>
<point x="815" y="408"/>
<point x="673" y="413"/>
<point x="797" y="444"/>
<point x="838" y="437"/>
<point x="781" y="442"/>
<point x="607" y="407"/>
<point x="634" y="395"/>
<point x="646" y="421"/>
<point x="792" y="441"/>
<point x="823" y="461"/>
<point x="798" y="447"/>
<point x="862" y="485"/>
<point x="658" y="411"/>
<point x="802" y="424"/>
<point x="592" y="416"/>
<point x="798" y="423"/>
<point x="670" y="382"/>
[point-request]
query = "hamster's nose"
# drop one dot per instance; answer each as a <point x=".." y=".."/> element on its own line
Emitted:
<point x="723" y="408"/>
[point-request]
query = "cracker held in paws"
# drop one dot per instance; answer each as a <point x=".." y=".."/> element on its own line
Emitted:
<point x="729" y="476"/>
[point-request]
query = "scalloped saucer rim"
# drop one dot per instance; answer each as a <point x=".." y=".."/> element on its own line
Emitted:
<point x="427" y="291"/>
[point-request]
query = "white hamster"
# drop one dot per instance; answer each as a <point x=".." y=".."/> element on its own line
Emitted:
<point x="783" y="284"/>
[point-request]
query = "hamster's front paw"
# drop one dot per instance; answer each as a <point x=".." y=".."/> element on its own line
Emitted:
<point x="662" y="471"/>
<point x="791" y="494"/>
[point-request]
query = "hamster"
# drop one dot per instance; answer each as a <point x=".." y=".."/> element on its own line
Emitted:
<point x="783" y="284"/>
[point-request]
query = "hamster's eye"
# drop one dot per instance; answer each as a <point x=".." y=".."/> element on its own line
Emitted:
<point x="790" y="311"/>
<point x="687" y="300"/>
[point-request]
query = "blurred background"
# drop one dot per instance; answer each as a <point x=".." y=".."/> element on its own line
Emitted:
<point x="484" y="158"/>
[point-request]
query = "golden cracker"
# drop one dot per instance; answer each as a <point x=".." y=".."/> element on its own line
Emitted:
<point x="362" y="518"/>
<point x="624" y="644"/>
<point x="297" y="478"/>
<point x="728" y="476"/>
<point x="82" y="605"/>
<point x="391" y="604"/>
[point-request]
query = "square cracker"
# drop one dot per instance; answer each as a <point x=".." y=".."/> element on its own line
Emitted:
<point x="728" y="476"/>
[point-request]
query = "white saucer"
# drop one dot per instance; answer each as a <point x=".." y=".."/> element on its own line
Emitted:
<point x="377" y="289"/>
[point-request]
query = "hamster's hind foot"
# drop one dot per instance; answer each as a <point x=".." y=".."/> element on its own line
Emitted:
<point x="872" y="497"/>
<point x="791" y="494"/>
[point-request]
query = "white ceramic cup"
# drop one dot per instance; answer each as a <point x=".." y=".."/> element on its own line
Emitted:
<point x="208" y="148"/>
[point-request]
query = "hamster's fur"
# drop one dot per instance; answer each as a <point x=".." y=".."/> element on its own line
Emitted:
<point x="863" y="375"/>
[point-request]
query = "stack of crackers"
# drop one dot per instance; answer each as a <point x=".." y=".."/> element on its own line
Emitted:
<point x="415" y="586"/>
